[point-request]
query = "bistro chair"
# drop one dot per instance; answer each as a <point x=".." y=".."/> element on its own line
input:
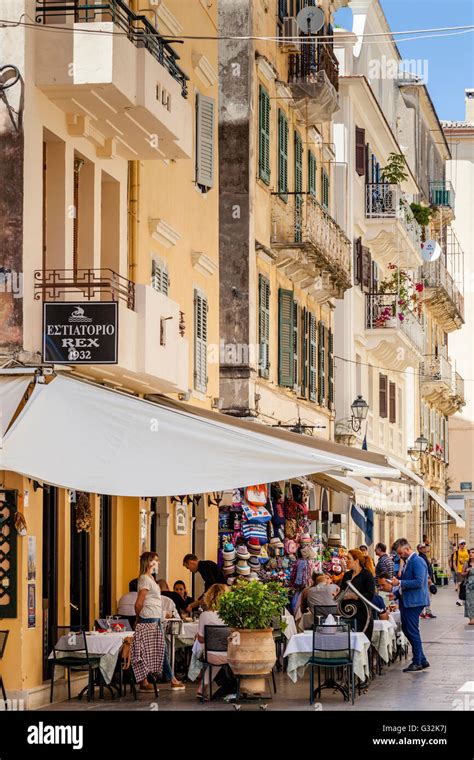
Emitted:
<point x="332" y="650"/>
<point x="70" y="652"/>
<point x="3" y="643"/>
<point x="322" y="611"/>
<point x="215" y="640"/>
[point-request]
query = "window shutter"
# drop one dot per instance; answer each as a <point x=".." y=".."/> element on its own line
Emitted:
<point x="296" y="347"/>
<point x="264" y="135"/>
<point x="205" y="116"/>
<point x="298" y="144"/>
<point x="200" y="341"/>
<point x="330" y="369"/>
<point x="324" y="188"/>
<point x="358" y="261"/>
<point x="304" y="352"/>
<point x="282" y="155"/>
<point x="159" y="276"/>
<point x="311" y="174"/>
<point x="285" y="338"/>
<point x="360" y="151"/>
<point x="374" y="286"/>
<point x="264" y="325"/>
<point x="366" y="269"/>
<point x="383" y="382"/>
<point x="313" y="353"/>
<point x="392" y="402"/>
<point x="321" y="364"/>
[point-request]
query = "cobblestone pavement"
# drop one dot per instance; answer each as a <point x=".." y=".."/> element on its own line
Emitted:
<point x="449" y="646"/>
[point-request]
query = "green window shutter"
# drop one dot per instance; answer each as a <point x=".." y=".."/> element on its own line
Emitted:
<point x="296" y="347"/>
<point x="313" y="349"/>
<point x="264" y="325"/>
<point x="324" y="188"/>
<point x="311" y="173"/>
<point x="264" y="135"/>
<point x="321" y="364"/>
<point x="298" y="146"/>
<point x="330" y="369"/>
<point x="205" y="118"/>
<point x="285" y="338"/>
<point x="282" y="155"/>
<point x="159" y="276"/>
<point x="200" y="341"/>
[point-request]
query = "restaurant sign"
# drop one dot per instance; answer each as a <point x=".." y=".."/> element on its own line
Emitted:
<point x="80" y="333"/>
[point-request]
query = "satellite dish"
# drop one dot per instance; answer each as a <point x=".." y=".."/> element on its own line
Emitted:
<point x="310" y="20"/>
<point x="430" y="251"/>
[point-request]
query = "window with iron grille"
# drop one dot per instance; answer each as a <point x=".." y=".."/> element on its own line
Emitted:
<point x="200" y="341"/>
<point x="159" y="276"/>
<point x="264" y="135"/>
<point x="264" y="326"/>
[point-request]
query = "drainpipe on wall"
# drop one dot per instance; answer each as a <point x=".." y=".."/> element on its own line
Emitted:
<point x="133" y="206"/>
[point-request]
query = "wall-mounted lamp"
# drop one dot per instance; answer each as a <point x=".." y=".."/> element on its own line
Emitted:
<point x="419" y="447"/>
<point x="360" y="410"/>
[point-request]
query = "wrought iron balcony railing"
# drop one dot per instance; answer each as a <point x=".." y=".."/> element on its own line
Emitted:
<point x="313" y="58"/>
<point x="303" y="222"/>
<point x="435" y="275"/>
<point x="384" y="200"/>
<point x="138" y="28"/>
<point x="91" y="284"/>
<point x="382" y="312"/>
<point x="437" y="368"/>
<point x="442" y="193"/>
<point x="458" y="386"/>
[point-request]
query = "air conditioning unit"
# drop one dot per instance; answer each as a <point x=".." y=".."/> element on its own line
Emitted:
<point x="290" y="29"/>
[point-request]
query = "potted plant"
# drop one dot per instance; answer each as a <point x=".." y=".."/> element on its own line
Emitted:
<point x="408" y="293"/>
<point x="422" y="214"/>
<point x="249" y="610"/>
<point x="395" y="171"/>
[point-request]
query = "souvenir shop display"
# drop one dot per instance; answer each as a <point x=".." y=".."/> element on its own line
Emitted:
<point x="265" y="533"/>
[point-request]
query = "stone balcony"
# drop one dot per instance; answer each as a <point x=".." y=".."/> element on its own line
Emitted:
<point x="311" y="246"/>
<point x="396" y="343"/>
<point x="153" y="354"/>
<point x="443" y="280"/>
<point x="441" y="385"/>
<point x="392" y="232"/>
<point x="313" y="79"/>
<point x="117" y="80"/>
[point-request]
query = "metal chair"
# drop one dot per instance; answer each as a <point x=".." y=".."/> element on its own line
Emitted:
<point x="71" y="646"/>
<point x="332" y="650"/>
<point x="215" y="640"/>
<point x="3" y="643"/>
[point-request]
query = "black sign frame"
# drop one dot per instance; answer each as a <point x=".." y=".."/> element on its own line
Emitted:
<point x="54" y="354"/>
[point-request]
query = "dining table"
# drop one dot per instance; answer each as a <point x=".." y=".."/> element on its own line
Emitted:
<point x="106" y="645"/>
<point x="300" y="648"/>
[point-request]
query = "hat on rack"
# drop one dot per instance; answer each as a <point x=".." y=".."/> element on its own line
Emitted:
<point x="276" y="543"/>
<point x="242" y="552"/>
<point x="253" y="545"/>
<point x="229" y="570"/>
<point x="229" y="562"/>
<point x="228" y="552"/>
<point x="242" y="567"/>
<point x="305" y="538"/>
<point x="254" y="563"/>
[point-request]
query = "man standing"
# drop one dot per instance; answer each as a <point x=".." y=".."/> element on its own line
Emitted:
<point x="422" y="550"/>
<point x="209" y="572"/>
<point x="385" y="562"/>
<point x="412" y="593"/>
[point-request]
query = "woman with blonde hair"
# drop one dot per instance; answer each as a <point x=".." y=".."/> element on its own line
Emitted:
<point x="148" y="652"/>
<point x="211" y="617"/>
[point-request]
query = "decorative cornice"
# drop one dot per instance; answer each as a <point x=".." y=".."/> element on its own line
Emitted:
<point x="169" y="21"/>
<point x="266" y="68"/>
<point x="204" y="69"/>
<point x="203" y="264"/>
<point x="163" y="233"/>
<point x="284" y="92"/>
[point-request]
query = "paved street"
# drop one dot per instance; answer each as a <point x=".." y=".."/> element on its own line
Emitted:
<point x="449" y="646"/>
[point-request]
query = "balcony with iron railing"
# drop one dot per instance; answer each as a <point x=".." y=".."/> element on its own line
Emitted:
<point x="119" y="53"/>
<point x="443" y="280"/>
<point x="393" y="232"/>
<point x="152" y="349"/>
<point x="305" y="231"/>
<point x="313" y="78"/>
<point x="397" y="338"/>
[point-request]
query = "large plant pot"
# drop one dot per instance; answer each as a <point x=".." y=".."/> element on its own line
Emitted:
<point x="251" y="653"/>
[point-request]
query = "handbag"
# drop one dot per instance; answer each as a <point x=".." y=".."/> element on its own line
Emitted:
<point x="462" y="591"/>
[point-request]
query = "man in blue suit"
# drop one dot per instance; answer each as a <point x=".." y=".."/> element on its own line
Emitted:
<point x="411" y="590"/>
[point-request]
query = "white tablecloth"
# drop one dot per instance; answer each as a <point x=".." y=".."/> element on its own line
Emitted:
<point x="386" y="637"/>
<point x="105" y="645"/>
<point x="300" y="646"/>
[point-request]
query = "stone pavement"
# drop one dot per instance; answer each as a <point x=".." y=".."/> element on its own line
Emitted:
<point x="449" y="646"/>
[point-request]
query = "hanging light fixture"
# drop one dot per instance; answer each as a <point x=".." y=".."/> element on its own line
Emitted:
<point x="360" y="410"/>
<point x="419" y="447"/>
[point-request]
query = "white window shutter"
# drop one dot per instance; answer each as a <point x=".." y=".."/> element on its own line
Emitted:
<point x="200" y="341"/>
<point x="159" y="276"/>
<point x="205" y="117"/>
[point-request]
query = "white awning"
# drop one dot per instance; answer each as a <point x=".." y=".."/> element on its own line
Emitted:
<point x="12" y="390"/>
<point x="83" y="436"/>
<point x="363" y="493"/>
<point x="460" y="523"/>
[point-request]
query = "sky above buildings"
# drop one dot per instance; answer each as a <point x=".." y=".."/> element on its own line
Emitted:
<point x="450" y="58"/>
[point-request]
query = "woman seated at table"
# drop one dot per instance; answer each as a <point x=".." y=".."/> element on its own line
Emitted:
<point x="318" y="599"/>
<point x="148" y="653"/>
<point x="363" y="580"/>
<point x="179" y="588"/>
<point x="211" y="617"/>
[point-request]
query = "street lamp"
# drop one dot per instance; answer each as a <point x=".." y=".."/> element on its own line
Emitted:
<point x="419" y="447"/>
<point x="360" y="409"/>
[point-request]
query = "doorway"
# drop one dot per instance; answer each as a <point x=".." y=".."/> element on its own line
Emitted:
<point x="79" y="588"/>
<point x="50" y="572"/>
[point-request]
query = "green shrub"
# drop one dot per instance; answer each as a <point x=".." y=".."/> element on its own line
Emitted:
<point x="252" y="605"/>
